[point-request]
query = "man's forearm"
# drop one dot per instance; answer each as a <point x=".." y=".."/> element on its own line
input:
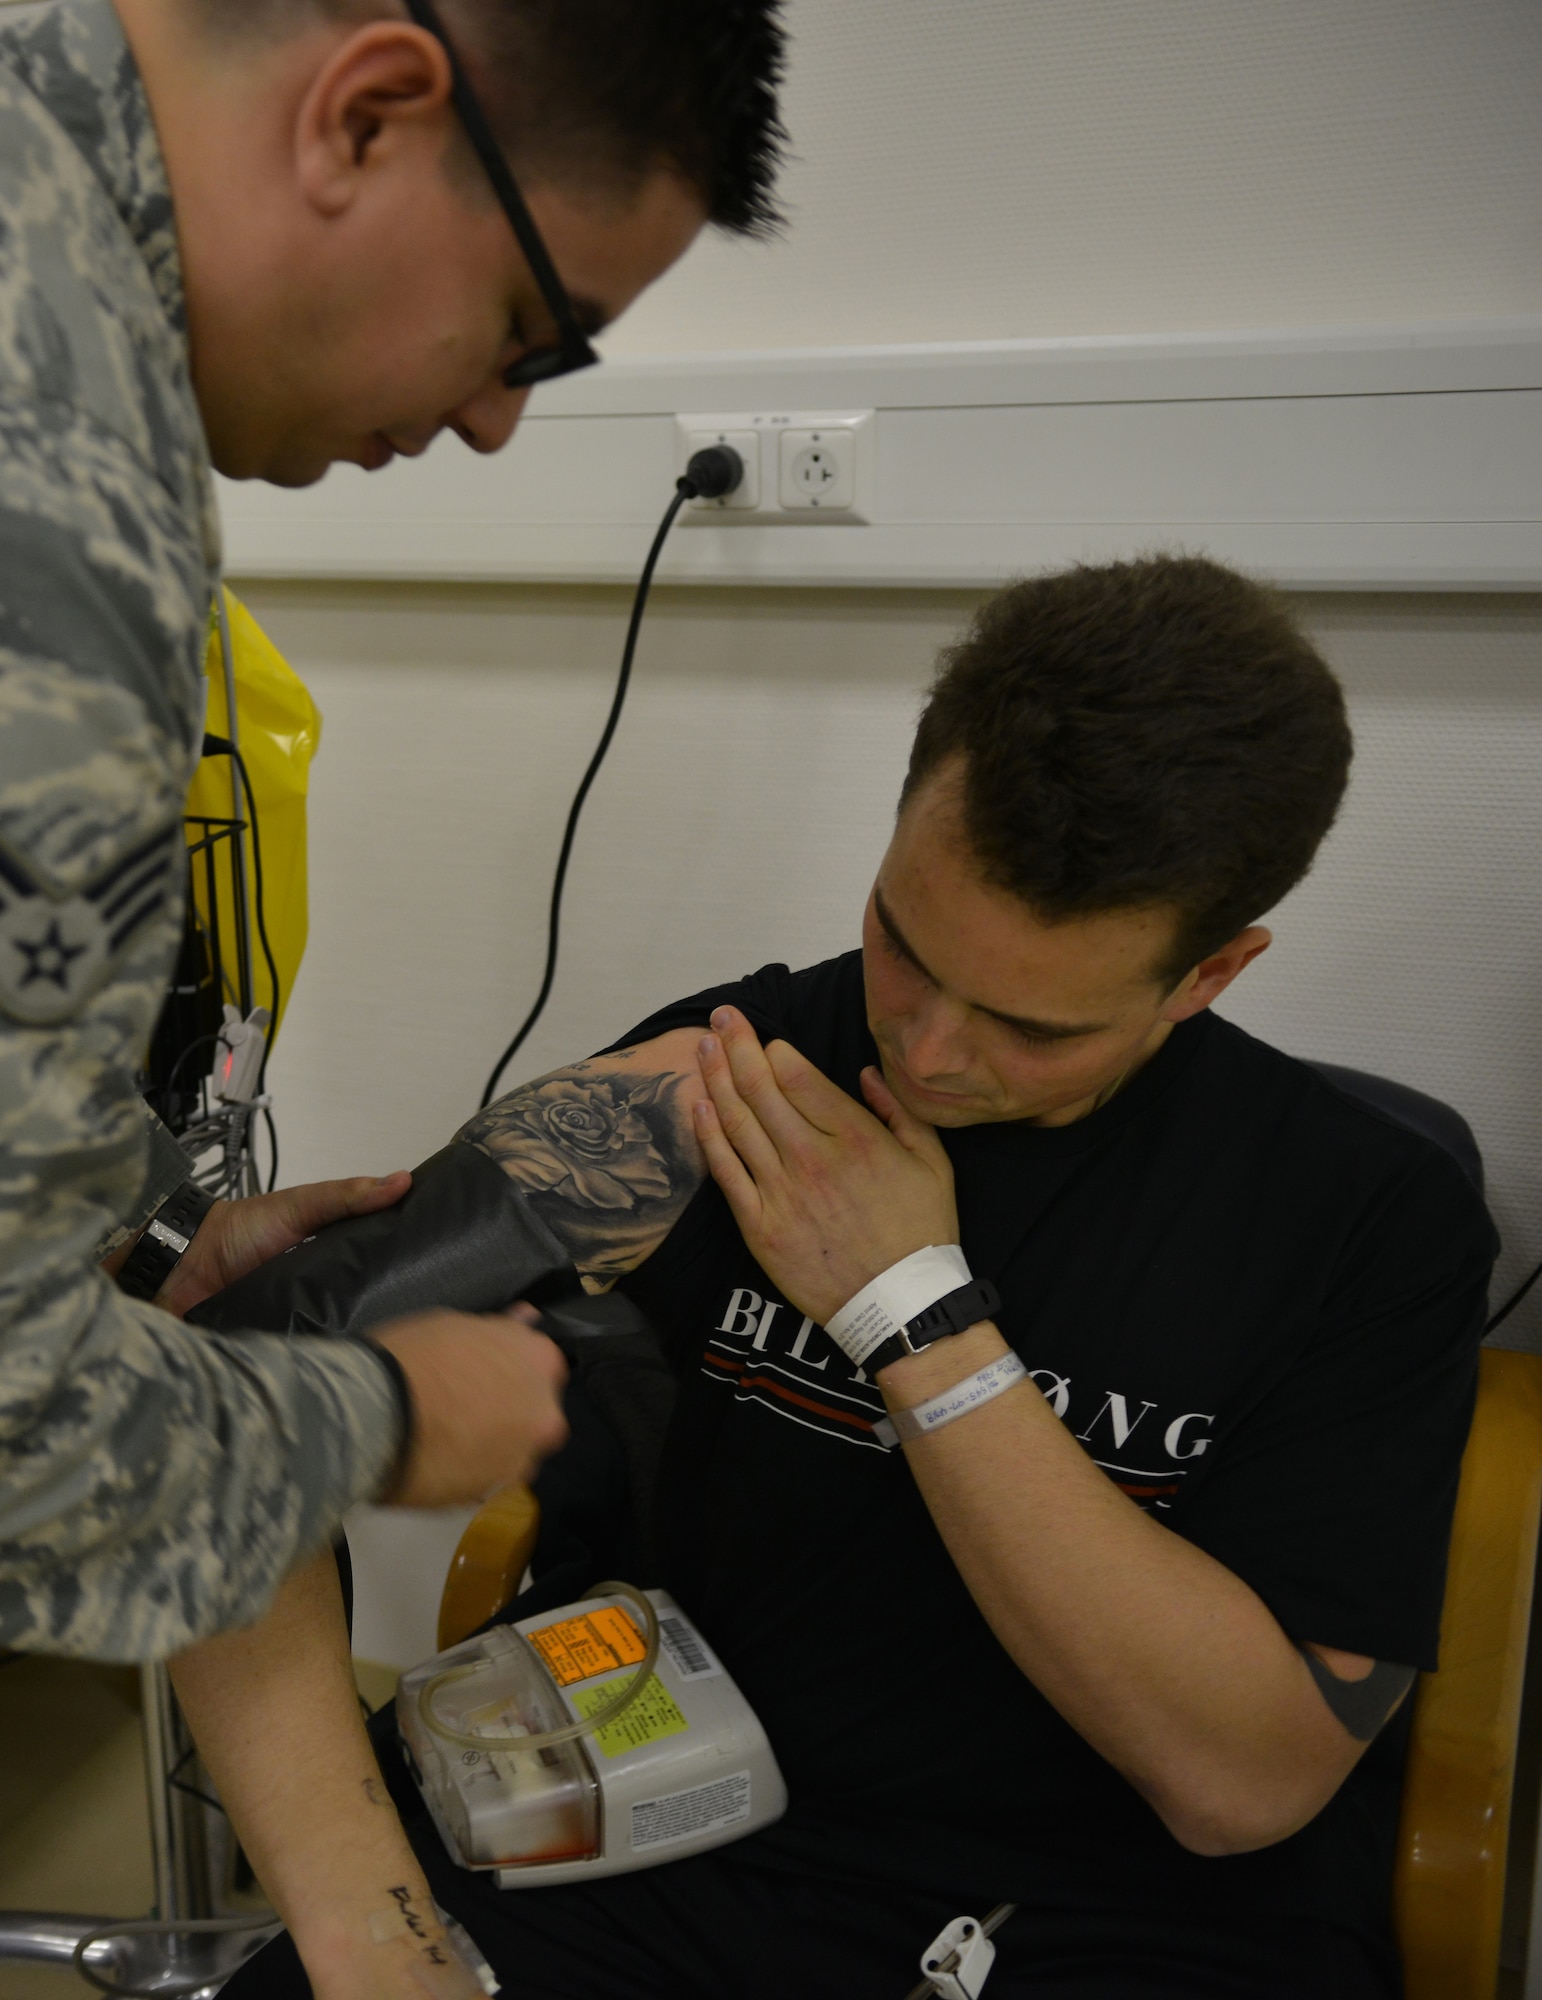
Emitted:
<point x="1167" y="1663"/>
<point x="275" y="1715"/>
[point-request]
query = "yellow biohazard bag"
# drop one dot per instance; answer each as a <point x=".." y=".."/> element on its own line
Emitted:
<point x="279" y="731"/>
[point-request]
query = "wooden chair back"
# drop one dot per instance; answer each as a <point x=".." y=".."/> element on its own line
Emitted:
<point x="489" y="1561"/>
<point x="1450" y="1881"/>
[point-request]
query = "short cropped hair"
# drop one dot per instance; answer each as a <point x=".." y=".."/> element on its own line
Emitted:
<point x="1140" y="734"/>
<point x="606" y="89"/>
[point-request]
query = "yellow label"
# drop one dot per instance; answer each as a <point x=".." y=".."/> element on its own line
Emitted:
<point x="651" y="1716"/>
<point x="597" y="1642"/>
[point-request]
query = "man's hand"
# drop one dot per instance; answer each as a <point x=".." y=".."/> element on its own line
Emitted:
<point x="486" y="1396"/>
<point x="236" y="1236"/>
<point x="486" y="1392"/>
<point x="825" y="1194"/>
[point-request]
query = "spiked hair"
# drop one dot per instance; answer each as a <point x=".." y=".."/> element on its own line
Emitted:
<point x="606" y="88"/>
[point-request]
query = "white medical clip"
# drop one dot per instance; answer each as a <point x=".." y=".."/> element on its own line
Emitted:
<point x="958" y="1960"/>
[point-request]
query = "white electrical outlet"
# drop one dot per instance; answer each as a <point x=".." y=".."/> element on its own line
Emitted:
<point x="695" y="434"/>
<point x="818" y="469"/>
<point x="801" y="467"/>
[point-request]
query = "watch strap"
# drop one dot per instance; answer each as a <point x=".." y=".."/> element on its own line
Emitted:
<point x="165" y="1241"/>
<point x="951" y="1314"/>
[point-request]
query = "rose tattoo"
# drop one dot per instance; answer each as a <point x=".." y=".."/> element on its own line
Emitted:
<point x="608" y="1159"/>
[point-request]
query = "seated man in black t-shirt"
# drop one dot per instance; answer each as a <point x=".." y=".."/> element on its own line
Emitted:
<point x="1119" y="1642"/>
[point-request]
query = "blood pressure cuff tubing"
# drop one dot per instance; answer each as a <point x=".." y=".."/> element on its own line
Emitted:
<point x="467" y="1238"/>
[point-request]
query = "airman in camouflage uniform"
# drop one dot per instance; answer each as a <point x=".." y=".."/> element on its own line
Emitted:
<point x="155" y="1483"/>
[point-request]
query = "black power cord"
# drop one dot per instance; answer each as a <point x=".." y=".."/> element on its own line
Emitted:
<point x="710" y="475"/>
<point x="221" y="746"/>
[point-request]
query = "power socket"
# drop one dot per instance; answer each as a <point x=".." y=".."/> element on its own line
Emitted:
<point x="817" y="469"/>
<point x="802" y="468"/>
<point x="695" y="434"/>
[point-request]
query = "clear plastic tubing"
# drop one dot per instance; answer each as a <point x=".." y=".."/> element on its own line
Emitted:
<point x="601" y="1716"/>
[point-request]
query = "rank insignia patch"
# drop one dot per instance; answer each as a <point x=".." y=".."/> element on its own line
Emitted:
<point x="55" y="952"/>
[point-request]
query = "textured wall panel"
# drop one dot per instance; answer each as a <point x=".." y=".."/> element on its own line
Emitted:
<point x="1006" y="168"/>
<point x="1400" y="458"/>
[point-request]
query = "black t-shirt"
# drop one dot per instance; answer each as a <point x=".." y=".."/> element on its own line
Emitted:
<point x="1257" y="1304"/>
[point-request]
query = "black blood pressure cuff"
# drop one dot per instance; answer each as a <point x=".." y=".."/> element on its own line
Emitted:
<point x="463" y="1236"/>
<point x="467" y="1238"/>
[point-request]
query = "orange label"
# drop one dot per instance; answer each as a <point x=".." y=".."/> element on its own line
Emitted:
<point x="596" y="1643"/>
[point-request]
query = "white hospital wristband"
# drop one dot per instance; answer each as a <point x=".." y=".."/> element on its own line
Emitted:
<point x="982" y="1387"/>
<point x="883" y="1309"/>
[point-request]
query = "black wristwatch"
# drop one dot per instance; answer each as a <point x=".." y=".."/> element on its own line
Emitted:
<point x="164" y="1244"/>
<point x="952" y="1313"/>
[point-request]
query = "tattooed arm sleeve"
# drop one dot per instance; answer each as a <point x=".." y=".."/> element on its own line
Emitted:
<point x="605" y="1150"/>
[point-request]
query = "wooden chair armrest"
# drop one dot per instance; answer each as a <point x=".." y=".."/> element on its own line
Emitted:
<point x="1449" y="1890"/>
<point x="489" y="1560"/>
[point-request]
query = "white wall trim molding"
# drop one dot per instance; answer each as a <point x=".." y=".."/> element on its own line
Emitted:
<point x="1370" y="458"/>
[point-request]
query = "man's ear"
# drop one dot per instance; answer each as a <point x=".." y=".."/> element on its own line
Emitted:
<point x="386" y="84"/>
<point x="1211" y="977"/>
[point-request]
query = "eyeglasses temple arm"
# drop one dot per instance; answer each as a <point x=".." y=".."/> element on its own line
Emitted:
<point x="510" y="199"/>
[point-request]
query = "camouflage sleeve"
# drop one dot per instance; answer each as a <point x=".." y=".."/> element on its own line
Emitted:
<point x="160" y="1482"/>
<point x="155" y="1483"/>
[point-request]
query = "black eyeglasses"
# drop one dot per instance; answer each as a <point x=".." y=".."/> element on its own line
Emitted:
<point x="573" y="350"/>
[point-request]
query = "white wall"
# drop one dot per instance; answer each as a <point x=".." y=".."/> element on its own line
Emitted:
<point x="1006" y="168"/>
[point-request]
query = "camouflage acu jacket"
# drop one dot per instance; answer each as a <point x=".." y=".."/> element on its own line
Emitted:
<point x="155" y="1483"/>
